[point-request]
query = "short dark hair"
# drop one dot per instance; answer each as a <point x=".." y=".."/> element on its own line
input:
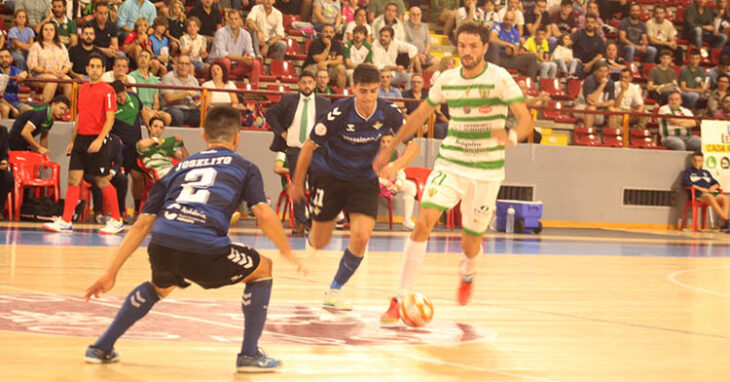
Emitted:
<point x="660" y="6"/>
<point x="153" y="119"/>
<point x="61" y="99"/>
<point x="63" y="1"/>
<point x="192" y="19"/>
<point x="699" y="153"/>
<point x="723" y="75"/>
<point x="388" y="29"/>
<point x="86" y="26"/>
<point x="591" y="16"/>
<point x="328" y="25"/>
<point x="666" y="52"/>
<point x="694" y="52"/>
<point x="366" y="74"/>
<point x="724" y="59"/>
<point x="161" y="20"/>
<point x="599" y="65"/>
<point x="306" y="73"/>
<point x="625" y="70"/>
<point x="96" y="56"/>
<point x="223" y="69"/>
<point x="5" y="48"/>
<point x="121" y="58"/>
<point x="475" y="29"/>
<point x="566" y="2"/>
<point x="118" y="86"/>
<point x="222" y="123"/>
<point x="361" y="29"/>
<point x="105" y="4"/>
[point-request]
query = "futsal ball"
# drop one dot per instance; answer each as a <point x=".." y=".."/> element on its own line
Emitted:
<point x="416" y="310"/>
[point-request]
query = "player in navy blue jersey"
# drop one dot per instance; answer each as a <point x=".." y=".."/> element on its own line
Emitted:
<point x="188" y="213"/>
<point x="341" y="149"/>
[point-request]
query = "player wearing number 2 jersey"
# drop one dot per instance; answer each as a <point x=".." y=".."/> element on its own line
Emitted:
<point x="470" y="164"/>
<point x="187" y="213"/>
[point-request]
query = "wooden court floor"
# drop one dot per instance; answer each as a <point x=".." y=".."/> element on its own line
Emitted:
<point x="629" y="306"/>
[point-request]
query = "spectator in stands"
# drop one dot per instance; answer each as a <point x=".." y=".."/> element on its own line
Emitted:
<point x="137" y="40"/>
<point x="538" y="17"/>
<point x="699" y="25"/>
<point x="633" y="37"/>
<point x="519" y="18"/>
<point x="662" y="78"/>
<point x="707" y="189"/>
<point x="292" y="120"/>
<point x="105" y="32"/>
<point x="219" y="80"/>
<point x="357" y="51"/>
<point x="66" y="26"/>
<point x="417" y="34"/>
<point x="564" y="20"/>
<point x="150" y="97"/>
<point x="48" y="59"/>
<point x="160" y="43"/>
<point x="130" y="11"/>
<point x="79" y="54"/>
<point x="677" y="133"/>
<point x="692" y="81"/>
<point x="233" y="46"/>
<point x="531" y="101"/>
<point x="327" y="12"/>
<point x="37" y="10"/>
<point x="6" y="177"/>
<point x="504" y="47"/>
<point x="468" y="13"/>
<point x="267" y="25"/>
<point x="537" y="45"/>
<point x="442" y="12"/>
<point x="194" y="44"/>
<point x="210" y="18"/>
<point x="176" y="25"/>
<point x="302" y="8"/>
<point x="158" y="153"/>
<point x="615" y="63"/>
<point x="10" y="105"/>
<point x="724" y="110"/>
<point x="348" y="11"/>
<point x="715" y="100"/>
<point x="386" y="90"/>
<point x="326" y="53"/>
<point x="610" y="7"/>
<point x="629" y="98"/>
<point x="360" y="19"/>
<point x="21" y="38"/>
<point x="416" y="91"/>
<point x="662" y="34"/>
<point x="119" y="72"/>
<point x="37" y="122"/>
<point x="591" y="9"/>
<point x="323" y="80"/>
<point x="563" y="56"/>
<point x="390" y="18"/>
<point x="385" y="55"/>
<point x="445" y="64"/>
<point x="598" y="93"/>
<point x="723" y="66"/>
<point x="491" y="17"/>
<point x="180" y="104"/>
<point x="377" y="7"/>
<point x="588" y="46"/>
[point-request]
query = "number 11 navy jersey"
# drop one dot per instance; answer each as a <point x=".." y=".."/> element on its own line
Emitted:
<point x="195" y="200"/>
<point x="349" y="142"/>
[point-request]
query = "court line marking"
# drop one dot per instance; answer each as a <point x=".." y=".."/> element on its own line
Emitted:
<point x="394" y="352"/>
<point x="672" y="277"/>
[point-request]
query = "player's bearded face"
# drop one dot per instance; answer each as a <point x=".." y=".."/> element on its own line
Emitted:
<point x="471" y="50"/>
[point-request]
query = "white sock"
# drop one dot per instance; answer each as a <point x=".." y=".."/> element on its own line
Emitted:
<point x="309" y="250"/>
<point x="468" y="265"/>
<point x="413" y="255"/>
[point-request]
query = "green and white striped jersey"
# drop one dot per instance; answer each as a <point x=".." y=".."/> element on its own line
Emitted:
<point x="477" y="106"/>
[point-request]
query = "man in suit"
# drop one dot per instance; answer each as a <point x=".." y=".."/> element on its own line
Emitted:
<point x="292" y="119"/>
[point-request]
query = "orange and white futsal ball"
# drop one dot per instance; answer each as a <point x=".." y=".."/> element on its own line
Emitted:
<point x="416" y="310"/>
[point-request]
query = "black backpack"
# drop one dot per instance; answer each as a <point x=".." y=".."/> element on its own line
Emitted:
<point x="45" y="209"/>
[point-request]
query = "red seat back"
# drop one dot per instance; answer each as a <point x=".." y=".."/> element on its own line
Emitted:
<point x="282" y="68"/>
<point x="276" y="88"/>
<point x="574" y="87"/>
<point x="419" y="176"/>
<point x="612" y="137"/>
<point x="292" y="47"/>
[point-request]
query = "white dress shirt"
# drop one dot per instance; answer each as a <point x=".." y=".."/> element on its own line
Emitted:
<point x="293" y="132"/>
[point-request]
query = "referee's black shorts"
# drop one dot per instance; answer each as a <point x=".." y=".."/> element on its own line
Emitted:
<point x="94" y="164"/>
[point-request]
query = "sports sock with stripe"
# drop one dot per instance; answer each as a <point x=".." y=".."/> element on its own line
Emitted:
<point x="348" y="265"/>
<point x="135" y="306"/>
<point x="255" y="303"/>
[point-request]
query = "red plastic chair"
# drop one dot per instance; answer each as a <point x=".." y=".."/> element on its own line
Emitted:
<point x="695" y="204"/>
<point x="284" y="71"/>
<point x="288" y="204"/>
<point x="293" y="52"/>
<point x="26" y="172"/>
<point x="419" y="176"/>
<point x="612" y="137"/>
<point x="552" y="87"/>
<point x="427" y="75"/>
<point x="276" y="88"/>
<point x="574" y="88"/>
<point x="531" y="89"/>
<point x="643" y="139"/>
<point x="586" y="136"/>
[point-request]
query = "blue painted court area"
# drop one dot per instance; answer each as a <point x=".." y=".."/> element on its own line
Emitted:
<point x="523" y="245"/>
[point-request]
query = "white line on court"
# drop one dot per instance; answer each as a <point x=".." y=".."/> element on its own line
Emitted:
<point x="672" y="277"/>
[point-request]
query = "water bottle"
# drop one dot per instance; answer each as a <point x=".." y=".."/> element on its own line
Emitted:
<point x="510" y="226"/>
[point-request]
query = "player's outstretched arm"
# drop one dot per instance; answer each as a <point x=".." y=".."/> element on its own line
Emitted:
<point x="525" y="123"/>
<point x="131" y="242"/>
<point x="271" y="226"/>
<point x="413" y="121"/>
<point x="296" y="187"/>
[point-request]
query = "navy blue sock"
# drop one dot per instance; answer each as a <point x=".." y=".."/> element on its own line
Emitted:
<point x="255" y="303"/>
<point x="136" y="305"/>
<point x="348" y="266"/>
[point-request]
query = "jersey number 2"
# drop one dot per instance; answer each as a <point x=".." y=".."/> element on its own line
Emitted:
<point x="197" y="180"/>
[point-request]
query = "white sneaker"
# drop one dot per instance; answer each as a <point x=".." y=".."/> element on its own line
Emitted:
<point x="58" y="225"/>
<point x="112" y="227"/>
<point x="333" y="300"/>
<point x="409" y="224"/>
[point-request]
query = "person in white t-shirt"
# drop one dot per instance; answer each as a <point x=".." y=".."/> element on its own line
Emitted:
<point x="361" y="18"/>
<point x="120" y="72"/>
<point x="469" y="12"/>
<point x="266" y="25"/>
<point x="629" y="98"/>
<point x="219" y="80"/>
<point x="194" y="44"/>
<point x="677" y="133"/>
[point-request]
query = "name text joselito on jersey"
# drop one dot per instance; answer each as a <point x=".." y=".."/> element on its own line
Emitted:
<point x="202" y="162"/>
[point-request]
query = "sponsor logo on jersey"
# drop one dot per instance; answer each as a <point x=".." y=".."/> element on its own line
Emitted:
<point x="170" y="215"/>
<point x="320" y="129"/>
<point x="333" y="114"/>
<point x="467" y="110"/>
<point x="350" y="127"/>
<point x="485" y="109"/>
<point x="432" y="192"/>
<point x="377" y="125"/>
<point x="484" y="93"/>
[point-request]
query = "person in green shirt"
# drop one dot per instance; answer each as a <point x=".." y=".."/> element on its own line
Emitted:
<point x="66" y="27"/>
<point x="323" y="79"/>
<point x="158" y="153"/>
<point x="692" y="81"/>
<point x="150" y="97"/>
